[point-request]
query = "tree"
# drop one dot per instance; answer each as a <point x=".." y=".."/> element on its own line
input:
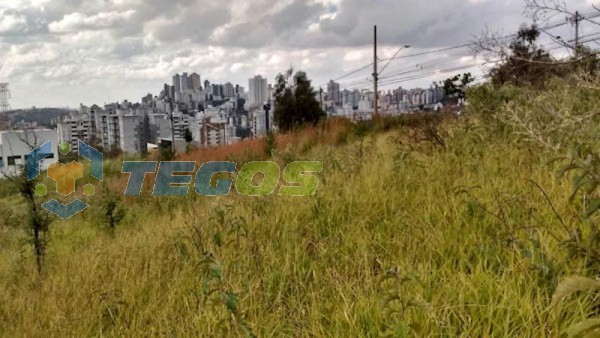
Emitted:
<point x="37" y="221"/>
<point x="583" y="59"/>
<point x="456" y="86"/>
<point x="165" y="154"/>
<point x="188" y="140"/>
<point x="112" y="209"/>
<point x="522" y="62"/>
<point x="295" y="101"/>
<point x="114" y="152"/>
<point x="188" y="136"/>
<point x="587" y="61"/>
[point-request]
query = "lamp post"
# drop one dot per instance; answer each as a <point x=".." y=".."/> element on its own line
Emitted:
<point x="376" y="73"/>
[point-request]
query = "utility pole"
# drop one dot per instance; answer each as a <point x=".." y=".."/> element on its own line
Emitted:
<point x="4" y="96"/>
<point x="204" y="131"/>
<point x="267" y="109"/>
<point x="575" y="20"/>
<point x="577" y="30"/>
<point x="375" y="75"/>
<point x="4" y="106"/>
<point x="321" y="97"/>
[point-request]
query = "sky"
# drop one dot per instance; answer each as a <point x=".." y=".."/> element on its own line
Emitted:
<point x="58" y="53"/>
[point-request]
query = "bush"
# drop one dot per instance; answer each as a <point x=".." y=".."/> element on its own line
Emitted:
<point x="487" y="100"/>
<point x="559" y="117"/>
<point x="7" y="189"/>
<point x="270" y="143"/>
<point x="166" y="154"/>
<point x="111" y="210"/>
<point x="7" y="217"/>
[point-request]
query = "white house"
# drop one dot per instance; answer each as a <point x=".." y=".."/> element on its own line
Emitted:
<point x="16" y="144"/>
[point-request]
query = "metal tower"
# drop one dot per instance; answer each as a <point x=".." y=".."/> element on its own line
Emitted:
<point x="4" y="96"/>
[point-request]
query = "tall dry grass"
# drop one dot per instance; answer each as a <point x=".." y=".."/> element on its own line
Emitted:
<point x="403" y="238"/>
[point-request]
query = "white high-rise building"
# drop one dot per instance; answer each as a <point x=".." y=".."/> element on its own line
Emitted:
<point x="120" y="126"/>
<point x="160" y="127"/>
<point x="107" y="127"/>
<point x="185" y="82"/>
<point x="333" y="92"/>
<point x="177" y="86"/>
<point x="228" y="90"/>
<point x="75" y="128"/>
<point x="129" y="132"/>
<point x="258" y="122"/>
<point x="181" y="122"/>
<point x="195" y="82"/>
<point x="259" y="93"/>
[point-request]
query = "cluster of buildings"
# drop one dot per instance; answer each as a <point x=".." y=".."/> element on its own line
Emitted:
<point x="187" y="111"/>
<point x="190" y="112"/>
<point x="359" y="104"/>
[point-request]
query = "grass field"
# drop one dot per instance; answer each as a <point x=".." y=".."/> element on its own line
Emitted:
<point x="406" y="236"/>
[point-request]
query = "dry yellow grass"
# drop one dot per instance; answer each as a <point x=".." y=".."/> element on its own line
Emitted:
<point x="400" y="239"/>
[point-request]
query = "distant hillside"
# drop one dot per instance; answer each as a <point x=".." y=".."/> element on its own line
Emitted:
<point x="43" y="116"/>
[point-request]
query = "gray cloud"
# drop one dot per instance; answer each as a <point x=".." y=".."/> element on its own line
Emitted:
<point x="295" y="16"/>
<point x="59" y="52"/>
<point x="195" y="23"/>
<point x="272" y="26"/>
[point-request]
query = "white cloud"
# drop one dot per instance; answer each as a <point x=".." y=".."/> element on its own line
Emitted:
<point x="75" y="22"/>
<point x="11" y="22"/>
<point x="57" y="52"/>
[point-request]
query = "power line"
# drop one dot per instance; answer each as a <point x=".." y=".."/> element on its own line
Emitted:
<point x="390" y="60"/>
<point x="446" y="58"/>
<point x="422" y="66"/>
<point x="533" y="61"/>
<point x="434" y="62"/>
<point x="430" y="52"/>
<point x="472" y="44"/>
<point x="552" y="26"/>
<point x="394" y="79"/>
<point x="429" y="74"/>
<point x="589" y="18"/>
<point x="476" y="64"/>
<point x="352" y="72"/>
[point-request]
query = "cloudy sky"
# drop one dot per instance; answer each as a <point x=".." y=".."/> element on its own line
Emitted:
<point x="66" y="52"/>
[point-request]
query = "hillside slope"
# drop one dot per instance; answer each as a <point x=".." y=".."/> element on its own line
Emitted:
<point x="403" y="237"/>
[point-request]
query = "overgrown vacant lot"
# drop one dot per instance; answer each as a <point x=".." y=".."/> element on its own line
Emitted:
<point x="461" y="234"/>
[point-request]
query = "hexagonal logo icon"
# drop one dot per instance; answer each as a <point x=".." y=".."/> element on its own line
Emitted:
<point x="65" y="176"/>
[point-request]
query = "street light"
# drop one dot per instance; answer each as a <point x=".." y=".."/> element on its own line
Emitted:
<point x="393" y="57"/>
<point x="377" y="73"/>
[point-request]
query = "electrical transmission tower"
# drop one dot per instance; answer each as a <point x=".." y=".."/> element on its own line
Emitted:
<point x="4" y="96"/>
<point x="4" y="106"/>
